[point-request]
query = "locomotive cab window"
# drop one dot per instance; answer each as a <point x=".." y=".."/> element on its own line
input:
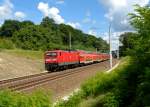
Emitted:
<point x="51" y="54"/>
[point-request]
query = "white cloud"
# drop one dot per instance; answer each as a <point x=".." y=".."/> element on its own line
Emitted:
<point x="19" y="15"/>
<point x="117" y="12"/>
<point x="60" y="2"/>
<point x="92" y="32"/>
<point x="114" y="39"/>
<point x="52" y="12"/>
<point x="74" y="24"/>
<point x="6" y="10"/>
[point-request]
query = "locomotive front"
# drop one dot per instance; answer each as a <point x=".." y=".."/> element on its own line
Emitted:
<point x="51" y="60"/>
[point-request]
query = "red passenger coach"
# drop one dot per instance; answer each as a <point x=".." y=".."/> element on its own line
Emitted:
<point x="60" y="59"/>
<point x="85" y="58"/>
<point x="105" y="56"/>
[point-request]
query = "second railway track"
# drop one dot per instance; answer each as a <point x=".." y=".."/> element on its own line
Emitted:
<point x="26" y="82"/>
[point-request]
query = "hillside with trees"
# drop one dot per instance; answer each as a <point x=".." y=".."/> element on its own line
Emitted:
<point x="47" y="36"/>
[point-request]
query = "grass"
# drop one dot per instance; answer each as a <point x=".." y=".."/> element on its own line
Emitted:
<point x="103" y="82"/>
<point x="98" y="90"/>
<point x="14" y="99"/>
<point x="36" y="55"/>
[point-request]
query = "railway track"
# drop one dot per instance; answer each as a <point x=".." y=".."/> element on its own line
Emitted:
<point x="26" y="82"/>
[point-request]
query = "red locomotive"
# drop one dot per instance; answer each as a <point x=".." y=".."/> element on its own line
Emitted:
<point x="60" y="59"/>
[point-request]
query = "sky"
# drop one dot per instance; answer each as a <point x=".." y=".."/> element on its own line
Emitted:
<point x="90" y="16"/>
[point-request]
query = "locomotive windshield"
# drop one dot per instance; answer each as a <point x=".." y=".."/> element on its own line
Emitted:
<point x="51" y="54"/>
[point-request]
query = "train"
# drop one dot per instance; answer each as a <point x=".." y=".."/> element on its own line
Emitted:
<point x="62" y="59"/>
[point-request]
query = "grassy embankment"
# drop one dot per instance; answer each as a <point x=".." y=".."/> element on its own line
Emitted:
<point x="8" y="47"/>
<point x="101" y="90"/>
<point x="37" y="55"/>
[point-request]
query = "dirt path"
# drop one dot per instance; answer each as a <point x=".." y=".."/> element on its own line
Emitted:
<point x="12" y="66"/>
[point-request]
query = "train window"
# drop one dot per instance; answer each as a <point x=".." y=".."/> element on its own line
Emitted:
<point x="51" y="54"/>
<point x="60" y="53"/>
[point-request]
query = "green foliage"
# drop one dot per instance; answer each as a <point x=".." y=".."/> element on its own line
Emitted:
<point x="92" y="102"/>
<point x="48" y="23"/>
<point x="109" y="100"/>
<point x="128" y="43"/>
<point x="73" y="100"/>
<point x="143" y="92"/>
<point x="6" y="44"/>
<point x="9" y="27"/>
<point x="26" y="23"/>
<point x="134" y="89"/>
<point x="14" y="99"/>
<point x="96" y="86"/>
<point x="118" y="84"/>
<point x="35" y="38"/>
<point x="48" y="36"/>
<point x="141" y="22"/>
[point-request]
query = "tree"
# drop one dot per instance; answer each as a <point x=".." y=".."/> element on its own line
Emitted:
<point x="9" y="27"/>
<point x="35" y="37"/>
<point x="128" y="40"/>
<point x="49" y="23"/>
<point x="141" y="22"/>
<point x="26" y="23"/>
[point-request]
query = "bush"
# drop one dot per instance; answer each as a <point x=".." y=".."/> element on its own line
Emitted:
<point x="107" y="100"/>
<point x="104" y="82"/>
<point x="13" y="99"/>
<point x="73" y="100"/>
<point x="110" y="100"/>
<point x="99" y="84"/>
<point x="143" y="92"/>
<point x="6" y="44"/>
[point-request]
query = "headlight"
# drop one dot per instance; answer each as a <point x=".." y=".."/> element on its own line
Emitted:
<point x="51" y="59"/>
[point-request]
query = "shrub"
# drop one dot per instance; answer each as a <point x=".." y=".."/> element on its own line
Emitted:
<point x="107" y="100"/>
<point x="14" y="99"/>
<point x="110" y="100"/>
<point x="104" y="82"/>
<point x="6" y="44"/>
<point x="99" y="84"/>
<point x="73" y="100"/>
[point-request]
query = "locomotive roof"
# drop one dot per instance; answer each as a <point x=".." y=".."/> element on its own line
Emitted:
<point x="61" y="51"/>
